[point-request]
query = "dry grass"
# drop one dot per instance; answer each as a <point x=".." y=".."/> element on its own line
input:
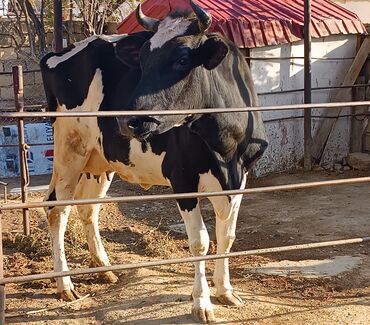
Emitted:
<point x="75" y="239"/>
<point x="38" y="244"/>
<point x="157" y="243"/>
<point x="35" y="246"/>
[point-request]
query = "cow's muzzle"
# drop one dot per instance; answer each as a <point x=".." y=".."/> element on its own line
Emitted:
<point x="140" y="127"/>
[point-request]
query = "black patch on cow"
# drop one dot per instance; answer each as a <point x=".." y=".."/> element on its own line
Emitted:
<point x="187" y="156"/>
<point x="128" y="49"/>
<point x="52" y="197"/>
<point x="144" y="146"/>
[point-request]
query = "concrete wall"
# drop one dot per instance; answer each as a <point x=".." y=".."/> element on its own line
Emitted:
<point x="286" y="136"/>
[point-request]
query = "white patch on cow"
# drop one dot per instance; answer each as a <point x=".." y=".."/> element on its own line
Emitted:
<point x="167" y="30"/>
<point x="57" y="225"/>
<point x="80" y="135"/>
<point x="53" y="61"/>
<point x="93" y="99"/>
<point x="225" y="235"/>
<point x="145" y="167"/>
<point x="114" y="38"/>
<point x="209" y="183"/>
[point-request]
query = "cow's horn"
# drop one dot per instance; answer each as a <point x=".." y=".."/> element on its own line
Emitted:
<point x="148" y="23"/>
<point x="205" y="19"/>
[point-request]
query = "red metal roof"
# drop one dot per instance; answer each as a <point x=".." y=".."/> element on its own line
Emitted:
<point x="257" y="23"/>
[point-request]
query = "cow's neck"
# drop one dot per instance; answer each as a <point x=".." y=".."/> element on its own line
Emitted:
<point x="226" y="88"/>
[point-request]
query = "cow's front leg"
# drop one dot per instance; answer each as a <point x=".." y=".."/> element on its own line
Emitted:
<point x="226" y="218"/>
<point x="202" y="309"/>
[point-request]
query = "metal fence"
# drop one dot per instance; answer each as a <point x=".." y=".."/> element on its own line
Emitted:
<point x="25" y="205"/>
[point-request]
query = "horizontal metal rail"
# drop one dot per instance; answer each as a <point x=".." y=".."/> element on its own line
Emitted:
<point x="25" y="71"/>
<point x="313" y="89"/>
<point x="121" y="267"/>
<point x="140" y="198"/>
<point x="32" y="144"/>
<point x="363" y="115"/>
<point x="180" y="111"/>
<point x="296" y="58"/>
<point x="44" y="104"/>
<point x="315" y="117"/>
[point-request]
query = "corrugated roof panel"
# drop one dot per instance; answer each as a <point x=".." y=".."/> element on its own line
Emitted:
<point x="332" y="26"/>
<point x="269" y="34"/>
<point x="321" y="28"/>
<point x="257" y="23"/>
<point x="341" y="26"/>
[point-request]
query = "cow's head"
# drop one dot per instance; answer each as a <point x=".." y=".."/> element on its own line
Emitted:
<point x="174" y="65"/>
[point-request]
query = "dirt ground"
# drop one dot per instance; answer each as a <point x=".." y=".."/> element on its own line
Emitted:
<point x="287" y="288"/>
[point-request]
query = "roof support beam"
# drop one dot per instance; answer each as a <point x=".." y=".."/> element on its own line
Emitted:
<point x="327" y="125"/>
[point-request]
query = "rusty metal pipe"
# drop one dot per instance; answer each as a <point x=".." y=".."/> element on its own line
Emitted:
<point x="182" y="111"/>
<point x="19" y="104"/>
<point x="5" y="185"/>
<point x="120" y="267"/>
<point x="141" y="198"/>
<point x="2" y="286"/>
<point x="307" y="87"/>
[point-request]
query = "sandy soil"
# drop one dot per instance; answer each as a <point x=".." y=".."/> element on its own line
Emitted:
<point x="133" y="232"/>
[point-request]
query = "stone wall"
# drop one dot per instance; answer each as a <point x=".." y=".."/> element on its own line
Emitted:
<point x="33" y="87"/>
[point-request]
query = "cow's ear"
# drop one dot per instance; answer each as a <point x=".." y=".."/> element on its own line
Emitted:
<point x="128" y="50"/>
<point x="213" y="51"/>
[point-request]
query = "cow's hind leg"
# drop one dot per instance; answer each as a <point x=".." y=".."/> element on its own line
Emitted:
<point x="226" y="218"/>
<point x="94" y="187"/>
<point x="62" y="187"/>
<point x="198" y="242"/>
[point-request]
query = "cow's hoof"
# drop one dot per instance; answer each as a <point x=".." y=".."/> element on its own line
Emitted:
<point x="230" y="299"/>
<point x="69" y="295"/>
<point x="203" y="315"/>
<point x="108" y="277"/>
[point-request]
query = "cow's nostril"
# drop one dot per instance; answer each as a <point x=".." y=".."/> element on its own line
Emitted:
<point x="133" y="123"/>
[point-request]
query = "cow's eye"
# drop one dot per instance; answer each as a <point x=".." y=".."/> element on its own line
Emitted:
<point x="182" y="63"/>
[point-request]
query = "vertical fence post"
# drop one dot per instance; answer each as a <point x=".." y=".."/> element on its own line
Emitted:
<point x="307" y="86"/>
<point x="2" y="287"/>
<point x="58" y="26"/>
<point x="19" y="104"/>
<point x="5" y="185"/>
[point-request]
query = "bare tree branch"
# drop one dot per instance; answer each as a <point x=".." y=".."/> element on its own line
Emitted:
<point x="38" y="26"/>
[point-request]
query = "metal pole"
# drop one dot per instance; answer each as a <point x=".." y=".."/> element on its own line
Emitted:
<point x="58" y="26"/>
<point x="19" y="104"/>
<point x="181" y="111"/>
<point x="2" y="286"/>
<point x="120" y="267"/>
<point x="5" y="185"/>
<point x="307" y="86"/>
<point x="179" y="196"/>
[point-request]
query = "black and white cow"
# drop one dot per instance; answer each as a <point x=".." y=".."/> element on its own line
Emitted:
<point x="183" y="67"/>
<point x="87" y="151"/>
<point x="180" y="67"/>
